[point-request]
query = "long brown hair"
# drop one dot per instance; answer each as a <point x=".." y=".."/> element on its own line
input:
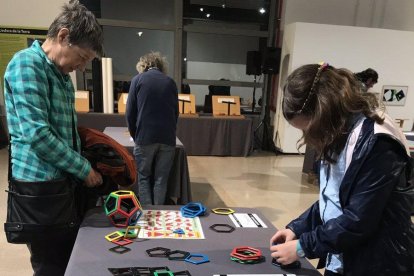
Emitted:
<point x="330" y="98"/>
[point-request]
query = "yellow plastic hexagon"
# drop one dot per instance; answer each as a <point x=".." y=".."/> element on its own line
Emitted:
<point x="222" y="211"/>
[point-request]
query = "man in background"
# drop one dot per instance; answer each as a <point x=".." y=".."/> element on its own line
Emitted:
<point x="368" y="78"/>
<point x="152" y="112"/>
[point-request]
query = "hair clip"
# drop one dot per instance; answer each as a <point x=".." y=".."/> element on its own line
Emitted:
<point x="322" y="66"/>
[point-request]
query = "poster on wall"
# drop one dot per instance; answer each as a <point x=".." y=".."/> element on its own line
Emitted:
<point x="14" y="39"/>
<point x="394" y="94"/>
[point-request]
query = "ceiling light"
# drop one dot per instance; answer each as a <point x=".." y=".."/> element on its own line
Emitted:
<point x="139" y="33"/>
<point x="262" y="10"/>
<point x="223" y="6"/>
<point x="201" y="9"/>
<point x="185" y="59"/>
<point x="207" y="15"/>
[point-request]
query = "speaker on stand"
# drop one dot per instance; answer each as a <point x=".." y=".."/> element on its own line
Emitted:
<point x="270" y="66"/>
<point x="271" y="60"/>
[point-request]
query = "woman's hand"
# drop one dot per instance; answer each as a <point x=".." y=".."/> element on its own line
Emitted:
<point x="93" y="179"/>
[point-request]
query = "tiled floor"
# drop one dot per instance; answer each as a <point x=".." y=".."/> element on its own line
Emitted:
<point x="273" y="184"/>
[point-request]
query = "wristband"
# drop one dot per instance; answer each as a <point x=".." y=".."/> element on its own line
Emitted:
<point x="299" y="250"/>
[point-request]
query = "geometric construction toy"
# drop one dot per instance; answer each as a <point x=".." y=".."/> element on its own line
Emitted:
<point x="161" y="273"/>
<point x="120" y="249"/>
<point x="158" y="252"/>
<point x="122" y="208"/>
<point x="177" y="255"/>
<point x="114" y="236"/>
<point x="197" y="258"/>
<point x="122" y="242"/>
<point x="156" y="271"/>
<point x="193" y="209"/>
<point x="132" y="231"/>
<point x="222" y="228"/>
<point x="247" y="255"/>
<point x="222" y="211"/>
<point x="179" y="231"/>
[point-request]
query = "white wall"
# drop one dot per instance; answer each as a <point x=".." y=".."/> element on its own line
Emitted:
<point x="39" y="13"/>
<point x="386" y="14"/>
<point x="389" y="52"/>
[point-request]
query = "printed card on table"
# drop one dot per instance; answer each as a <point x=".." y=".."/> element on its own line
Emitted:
<point x="247" y="220"/>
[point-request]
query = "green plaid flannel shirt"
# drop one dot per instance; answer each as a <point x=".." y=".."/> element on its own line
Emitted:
<point x="40" y="107"/>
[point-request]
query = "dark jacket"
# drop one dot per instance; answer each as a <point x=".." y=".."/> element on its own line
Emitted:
<point x="375" y="233"/>
<point x="152" y="108"/>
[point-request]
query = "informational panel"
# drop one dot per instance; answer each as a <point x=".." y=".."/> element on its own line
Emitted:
<point x="186" y="104"/>
<point x="226" y="105"/>
<point x="4" y="134"/>
<point x="14" y="39"/>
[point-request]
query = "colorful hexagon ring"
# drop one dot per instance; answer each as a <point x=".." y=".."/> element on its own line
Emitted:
<point x="123" y="208"/>
<point x="193" y="209"/>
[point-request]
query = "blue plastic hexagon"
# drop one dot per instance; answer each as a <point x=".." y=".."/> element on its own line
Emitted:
<point x="193" y="209"/>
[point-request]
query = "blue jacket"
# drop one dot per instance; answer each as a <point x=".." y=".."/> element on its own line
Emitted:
<point x="152" y="108"/>
<point x="375" y="232"/>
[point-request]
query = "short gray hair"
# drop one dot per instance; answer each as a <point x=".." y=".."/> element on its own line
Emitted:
<point x="150" y="60"/>
<point x="84" y="29"/>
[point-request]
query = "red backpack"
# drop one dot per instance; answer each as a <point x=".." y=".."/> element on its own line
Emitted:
<point x="108" y="157"/>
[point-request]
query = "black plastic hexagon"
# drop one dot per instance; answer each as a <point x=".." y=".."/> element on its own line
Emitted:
<point x="182" y="273"/>
<point x="222" y="228"/>
<point x="177" y="255"/>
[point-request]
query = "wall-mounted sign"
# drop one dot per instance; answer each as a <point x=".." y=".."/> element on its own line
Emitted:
<point x="14" y="39"/>
<point x="394" y="94"/>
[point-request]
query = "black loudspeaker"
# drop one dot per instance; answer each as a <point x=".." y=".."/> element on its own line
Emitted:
<point x="254" y="63"/>
<point x="271" y="60"/>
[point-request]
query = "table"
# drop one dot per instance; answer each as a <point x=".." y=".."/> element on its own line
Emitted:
<point x="90" y="255"/>
<point x="204" y="135"/>
<point x="216" y="136"/>
<point x="100" y="121"/>
<point x="179" y="186"/>
<point x="409" y="135"/>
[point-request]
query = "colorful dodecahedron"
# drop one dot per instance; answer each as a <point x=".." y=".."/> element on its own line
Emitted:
<point x="123" y="208"/>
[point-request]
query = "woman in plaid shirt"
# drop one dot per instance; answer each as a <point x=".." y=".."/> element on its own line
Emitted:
<point x="39" y="98"/>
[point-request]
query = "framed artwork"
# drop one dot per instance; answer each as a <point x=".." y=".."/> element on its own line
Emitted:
<point x="394" y="94"/>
